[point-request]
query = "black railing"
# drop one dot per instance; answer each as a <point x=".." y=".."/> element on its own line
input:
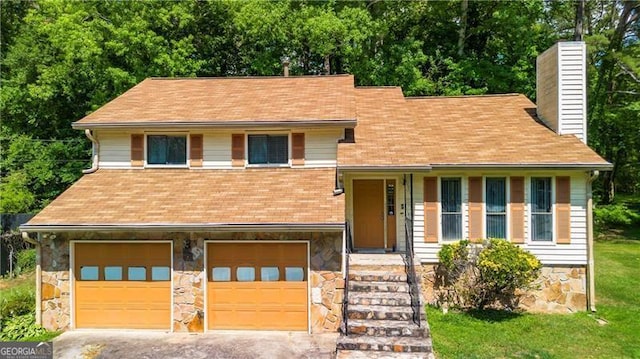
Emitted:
<point x="345" y="299"/>
<point x="412" y="279"/>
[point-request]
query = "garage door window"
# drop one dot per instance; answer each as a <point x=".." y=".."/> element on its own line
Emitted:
<point x="221" y="274"/>
<point x="89" y="273"/>
<point x="159" y="273"/>
<point x="113" y="273"/>
<point x="246" y="274"/>
<point x="270" y="274"/>
<point x="294" y="274"/>
<point x="137" y="273"/>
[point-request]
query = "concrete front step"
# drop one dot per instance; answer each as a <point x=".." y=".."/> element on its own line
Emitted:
<point x="386" y="298"/>
<point x="385" y="328"/>
<point x="392" y="262"/>
<point x="361" y="354"/>
<point x="381" y="312"/>
<point x="385" y="344"/>
<point x="377" y="276"/>
<point x="366" y="286"/>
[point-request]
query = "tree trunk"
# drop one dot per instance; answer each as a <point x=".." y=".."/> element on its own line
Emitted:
<point x="577" y="34"/>
<point x="462" y="34"/>
<point x="327" y="65"/>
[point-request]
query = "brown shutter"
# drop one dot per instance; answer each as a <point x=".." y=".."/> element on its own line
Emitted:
<point x="297" y="152"/>
<point x="137" y="150"/>
<point x="475" y="209"/>
<point x="563" y="210"/>
<point x="195" y="150"/>
<point x="431" y="209"/>
<point x="516" y="213"/>
<point x="237" y="150"/>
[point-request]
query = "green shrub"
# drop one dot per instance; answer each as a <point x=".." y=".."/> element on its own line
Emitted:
<point x="614" y="215"/>
<point x="17" y="302"/>
<point x="19" y="327"/>
<point x="491" y="273"/>
<point x="26" y="260"/>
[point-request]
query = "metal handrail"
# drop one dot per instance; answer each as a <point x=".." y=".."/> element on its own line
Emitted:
<point x="345" y="299"/>
<point x="412" y="280"/>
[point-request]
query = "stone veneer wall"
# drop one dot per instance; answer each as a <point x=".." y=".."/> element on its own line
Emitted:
<point x="561" y="289"/>
<point x="327" y="284"/>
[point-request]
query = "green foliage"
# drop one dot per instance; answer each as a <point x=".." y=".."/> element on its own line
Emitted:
<point x="614" y="215"/>
<point x="486" y="274"/>
<point x="26" y="260"/>
<point x="19" y="327"/>
<point x="501" y="334"/>
<point x="17" y="301"/>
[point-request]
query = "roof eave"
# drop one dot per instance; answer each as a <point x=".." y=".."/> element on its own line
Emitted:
<point x="385" y="168"/>
<point x="349" y="123"/>
<point x="204" y="227"/>
<point x="558" y="166"/>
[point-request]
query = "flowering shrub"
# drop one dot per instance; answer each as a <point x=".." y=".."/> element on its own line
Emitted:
<point x="476" y="276"/>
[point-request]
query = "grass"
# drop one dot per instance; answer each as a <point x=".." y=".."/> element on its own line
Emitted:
<point x="17" y="289"/>
<point x="495" y="334"/>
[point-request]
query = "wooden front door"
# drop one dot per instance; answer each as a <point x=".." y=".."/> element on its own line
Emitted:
<point x="368" y="213"/>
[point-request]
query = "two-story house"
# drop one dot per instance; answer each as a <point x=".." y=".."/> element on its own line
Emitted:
<point x="230" y="203"/>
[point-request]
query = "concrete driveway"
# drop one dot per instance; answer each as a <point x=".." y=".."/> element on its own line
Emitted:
<point x="123" y="344"/>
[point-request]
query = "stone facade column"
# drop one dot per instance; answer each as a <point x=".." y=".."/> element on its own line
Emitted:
<point x="188" y="285"/>
<point x="55" y="295"/>
<point x="327" y="283"/>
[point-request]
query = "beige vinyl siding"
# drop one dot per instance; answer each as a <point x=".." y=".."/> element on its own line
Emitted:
<point x="216" y="151"/>
<point x="321" y="147"/>
<point x="115" y="149"/>
<point x="548" y="253"/>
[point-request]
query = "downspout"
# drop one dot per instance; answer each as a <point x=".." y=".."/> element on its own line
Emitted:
<point x="591" y="285"/>
<point x="96" y="152"/>
<point x="26" y="238"/>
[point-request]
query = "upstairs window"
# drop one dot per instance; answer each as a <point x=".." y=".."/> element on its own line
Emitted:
<point x="496" y="198"/>
<point x="268" y="149"/>
<point x="541" y="215"/>
<point x="451" y="192"/>
<point x="167" y="150"/>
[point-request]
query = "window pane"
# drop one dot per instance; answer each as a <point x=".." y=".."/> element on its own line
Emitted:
<point x="278" y="149"/>
<point x="89" y="273"/>
<point x="157" y="150"/>
<point x="451" y="226"/>
<point x="113" y="273"/>
<point x="137" y="273"/>
<point x="257" y="149"/>
<point x="496" y="195"/>
<point x="160" y="273"/>
<point x="176" y="150"/>
<point x="293" y="274"/>
<point x="496" y="226"/>
<point x="269" y="274"/>
<point x="542" y="230"/>
<point x="541" y="195"/>
<point x="246" y="274"/>
<point x="221" y="274"/>
<point x="451" y="195"/>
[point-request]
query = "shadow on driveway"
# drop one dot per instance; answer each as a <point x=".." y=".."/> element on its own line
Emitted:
<point x="124" y="344"/>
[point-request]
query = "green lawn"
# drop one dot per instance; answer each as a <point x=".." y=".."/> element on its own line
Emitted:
<point x="504" y="335"/>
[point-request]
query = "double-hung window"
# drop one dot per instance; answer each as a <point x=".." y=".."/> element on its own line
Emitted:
<point x="496" y="202"/>
<point x="451" y="199"/>
<point x="541" y="207"/>
<point x="268" y="149"/>
<point x="167" y="149"/>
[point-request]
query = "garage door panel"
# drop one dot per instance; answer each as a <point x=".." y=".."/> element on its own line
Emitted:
<point x="135" y="304"/>
<point x="269" y="303"/>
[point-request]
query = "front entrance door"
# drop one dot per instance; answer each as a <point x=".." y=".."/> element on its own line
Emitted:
<point x="368" y="213"/>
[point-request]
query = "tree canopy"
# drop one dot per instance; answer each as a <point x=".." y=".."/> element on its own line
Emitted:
<point x="60" y="60"/>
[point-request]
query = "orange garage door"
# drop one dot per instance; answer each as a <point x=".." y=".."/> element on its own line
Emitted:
<point x="122" y="285"/>
<point x="257" y="286"/>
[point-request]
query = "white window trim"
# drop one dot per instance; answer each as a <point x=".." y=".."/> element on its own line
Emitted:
<point x="187" y="151"/>
<point x="267" y="165"/>
<point x="464" y="208"/>
<point x="528" y="198"/>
